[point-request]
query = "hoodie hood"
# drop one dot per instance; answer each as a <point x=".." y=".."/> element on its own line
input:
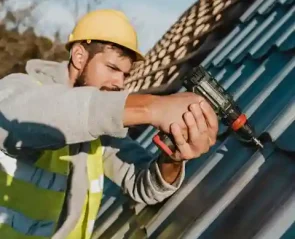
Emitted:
<point x="48" y="72"/>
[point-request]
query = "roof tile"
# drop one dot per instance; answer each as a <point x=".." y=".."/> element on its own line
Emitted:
<point x="268" y="39"/>
<point x="242" y="34"/>
<point x="196" y="32"/>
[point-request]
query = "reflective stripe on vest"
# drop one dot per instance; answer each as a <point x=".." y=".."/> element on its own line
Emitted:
<point x="32" y="196"/>
<point x="40" y="177"/>
<point x="94" y="195"/>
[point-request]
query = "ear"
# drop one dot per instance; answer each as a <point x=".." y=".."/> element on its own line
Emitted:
<point x="79" y="56"/>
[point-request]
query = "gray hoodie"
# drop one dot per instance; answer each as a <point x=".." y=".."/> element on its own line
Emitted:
<point x="50" y="115"/>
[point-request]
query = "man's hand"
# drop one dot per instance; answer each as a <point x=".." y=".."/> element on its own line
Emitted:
<point x="187" y="116"/>
<point x="201" y="133"/>
<point x="159" y="111"/>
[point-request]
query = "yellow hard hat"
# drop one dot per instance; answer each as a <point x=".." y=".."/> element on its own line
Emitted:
<point x="106" y="25"/>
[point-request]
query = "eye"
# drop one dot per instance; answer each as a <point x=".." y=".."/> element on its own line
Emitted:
<point x="112" y="68"/>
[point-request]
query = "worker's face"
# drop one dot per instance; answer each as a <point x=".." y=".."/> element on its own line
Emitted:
<point x="107" y="70"/>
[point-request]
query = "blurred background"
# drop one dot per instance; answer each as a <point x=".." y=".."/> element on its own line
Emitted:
<point x="41" y="27"/>
<point x="55" y="19"/>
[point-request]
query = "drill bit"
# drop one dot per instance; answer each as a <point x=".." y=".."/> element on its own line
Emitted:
<point x="258" y="142"/>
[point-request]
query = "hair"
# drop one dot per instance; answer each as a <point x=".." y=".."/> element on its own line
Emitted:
<point x="96" y="46"/>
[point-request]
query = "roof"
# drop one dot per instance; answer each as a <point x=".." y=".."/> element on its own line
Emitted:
<point x="197" y="31"/>
<point x="235" y="190"/>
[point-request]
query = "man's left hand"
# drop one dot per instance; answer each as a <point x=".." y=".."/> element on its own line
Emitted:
<point x="193" y="141"/>
<point x="200" y="135"/>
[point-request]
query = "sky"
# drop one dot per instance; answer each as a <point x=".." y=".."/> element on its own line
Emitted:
<point x="151" y="18"/>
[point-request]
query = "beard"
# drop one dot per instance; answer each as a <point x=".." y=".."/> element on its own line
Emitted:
<point x="80" y="81"/>
<point x="106" y="88"/>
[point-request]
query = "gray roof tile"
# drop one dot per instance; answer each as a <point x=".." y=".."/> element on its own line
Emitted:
<point x="195" y="34"/>
<point x="273" y="34"/>
<point x="266" y="6"/>
<point x="251" y="11"/>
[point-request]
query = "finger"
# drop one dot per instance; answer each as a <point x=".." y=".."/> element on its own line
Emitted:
<point x="193" y="131"/>
<point x="177" y="134"/>
<point x="199" y="118"/>
<point x="210" y="115"/>
<point x="180" y="141"/>
<point x="212" y="121"/>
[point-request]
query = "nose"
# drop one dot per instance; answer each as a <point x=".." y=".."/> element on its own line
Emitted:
<point x="118" y="80"/>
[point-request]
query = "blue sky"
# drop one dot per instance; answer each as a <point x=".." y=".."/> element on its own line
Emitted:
<point x="151" y="18"/>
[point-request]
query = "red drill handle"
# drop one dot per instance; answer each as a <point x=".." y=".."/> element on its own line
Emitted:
<point x="165" y="143"/>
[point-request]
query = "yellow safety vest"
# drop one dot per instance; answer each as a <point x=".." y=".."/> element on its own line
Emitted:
<point x="32" y="196"/>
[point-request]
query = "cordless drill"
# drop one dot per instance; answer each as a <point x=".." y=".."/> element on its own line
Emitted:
<point x="202" y="83"/>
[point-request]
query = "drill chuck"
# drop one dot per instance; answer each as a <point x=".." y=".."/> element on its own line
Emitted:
<point x="246" y="133"/>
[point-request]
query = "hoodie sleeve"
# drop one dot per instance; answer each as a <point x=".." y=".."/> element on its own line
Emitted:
<point x="136" y="171"/>
<point x="51" y="116"/>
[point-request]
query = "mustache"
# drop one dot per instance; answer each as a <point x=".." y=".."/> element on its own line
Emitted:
<point x="115" y="88"/>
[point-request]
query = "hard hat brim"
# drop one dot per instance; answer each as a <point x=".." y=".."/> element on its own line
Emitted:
<point x="139" y="56"/>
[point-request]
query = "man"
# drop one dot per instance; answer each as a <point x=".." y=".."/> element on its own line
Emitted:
<point x="63" y="126"/>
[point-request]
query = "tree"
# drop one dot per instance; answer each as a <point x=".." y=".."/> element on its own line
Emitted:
<point x="28" y="15"/>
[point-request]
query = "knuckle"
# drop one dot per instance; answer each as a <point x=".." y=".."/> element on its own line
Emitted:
<point x="197" y="111"/>
<point x="212" y="141"/>
<point x="187" y="115"/>
<point x="189" y="119"/>
<point x="201" y="98"/>
<point x="186" y="155"/>
<point x="206" y="145"/>
<point x="196" y="155"/>
<point x="205" y="149"/>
